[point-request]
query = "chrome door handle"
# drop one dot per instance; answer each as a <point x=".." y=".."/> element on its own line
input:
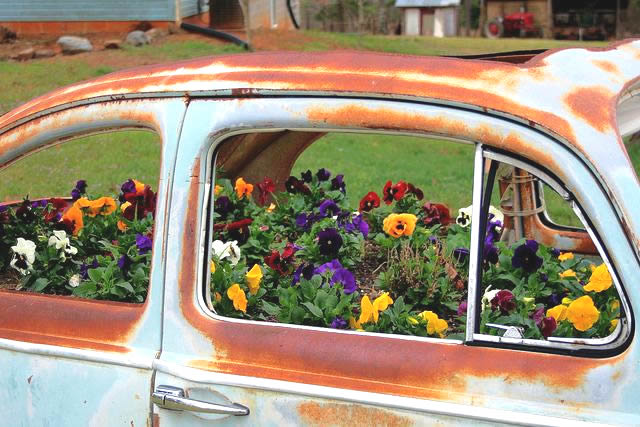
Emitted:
<point x="173" y="398"/>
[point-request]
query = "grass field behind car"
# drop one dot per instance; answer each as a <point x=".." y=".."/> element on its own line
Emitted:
<point x="442" y="169"/>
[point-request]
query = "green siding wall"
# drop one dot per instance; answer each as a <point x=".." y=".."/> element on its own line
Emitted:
<point x="91" y="10"/>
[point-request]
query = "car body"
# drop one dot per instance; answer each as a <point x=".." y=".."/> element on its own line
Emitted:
<point x="78" y="362"/>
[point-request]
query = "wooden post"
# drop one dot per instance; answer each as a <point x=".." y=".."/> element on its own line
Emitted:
<point x="244" y="5"/>
<point x="549" y="32"/>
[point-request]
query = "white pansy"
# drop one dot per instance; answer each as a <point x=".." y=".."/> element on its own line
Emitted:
<point x="61" y="241"/>
<point x="489" y="294"/>
<point x="226" y="249"/>
<point x="464" y="216"/>
<point x="74" y="280"/>
<point x="24" y="255"/>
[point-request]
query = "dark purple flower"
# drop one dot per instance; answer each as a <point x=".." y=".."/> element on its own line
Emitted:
<point x="4" y="208"/>
<point x="75" y="194"/>
<point x="293" y="185"/>
<point x="490" y="251"/>
<point x="223" y="206"/>
<point x="143" y="243"/>
<point x="547" y="326"/>
<point x="84" y="268"/>
<point x="556" y="299"/>
<point x="124" y="263"/>
<point x="544" y="277"/>
<point x="329" y="241"/>
<point x="302" y="221"/>
<point x="304" y="270"/>
<point x="307" y="176"/>
<point x="345" y="277"/>
<point x="538" y="315"/>
<point x="525" y="257"/>
<point x="462" y="308"/>
<point x="128" y="187"/>
<point x="323" y="174"/>
<point x="331" y="266"/>
<point x="337" y="183"/>
<point x="555" y="252"/>
<point x="81" y="185"/>
<point x="39" y="204"/>
<point x="361" y="225"/>
<point x="338" y="323"/>
<point x="503" y="300"/>
<point x="461" y="254"/>
<point x="328" y="208"/>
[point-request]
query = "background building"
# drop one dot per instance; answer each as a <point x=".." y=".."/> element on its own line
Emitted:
<point x="438" y="18"/>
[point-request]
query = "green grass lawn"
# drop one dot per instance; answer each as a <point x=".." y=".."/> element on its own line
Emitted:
<point x="442" y="169"/>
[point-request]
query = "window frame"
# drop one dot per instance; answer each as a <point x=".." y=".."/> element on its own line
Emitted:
<point x="612" y="344"/>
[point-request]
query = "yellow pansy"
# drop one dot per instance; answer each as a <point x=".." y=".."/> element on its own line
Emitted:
<point x="370" y="312"/>
<point x="397" y="225"/>
<point x="613" y="324"/>
<point x="212" y="266"/>
<point x="435" y="325"/>
<point x="237" y="295"/>
<point x="615" y="305"/>
<point x="243" y="188"/>
<point x="139" y="186"/>
<point x="271" y="208"/>
<point x="564" y="256"/>
<point x="217" y="189"/>
<point x="568" y="273"/>
<point x="124" y="206"/>
<point x="600" y="279"/>
<point x="582" y="313"/>
<point x="566" y="300"/>
<point x="254" y="276"/>
<point x="103" y="206"/>
<point x="559" y="312"/>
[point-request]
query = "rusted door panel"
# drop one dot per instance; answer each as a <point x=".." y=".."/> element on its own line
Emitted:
<point x="70" y="361"/>
<point x="206" y="351"/>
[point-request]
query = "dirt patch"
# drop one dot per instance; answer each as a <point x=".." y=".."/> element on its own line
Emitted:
<point x="9" y="280"/>
<point x="367" y="270"/>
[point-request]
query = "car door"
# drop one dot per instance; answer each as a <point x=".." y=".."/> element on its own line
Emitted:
<point x="221" y="370"/>
<point x="73" y="361"/>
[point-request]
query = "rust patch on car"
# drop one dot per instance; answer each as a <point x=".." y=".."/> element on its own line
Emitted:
<point x="68" y="321"/>
<point x="333" y="414"/>
<point x="607" y="66"/>
<point x="593" y="105"/>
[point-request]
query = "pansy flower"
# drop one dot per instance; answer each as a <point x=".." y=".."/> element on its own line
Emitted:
<point x="328" y="208"/>
<point x="307" y="176"/>
<point x="72" y="220"/>
<point x="559" y="312"/>
<point x="62" y="244"/>
<point x="525" y="257"/>
<point x="266" y="187"/>
<point x="435" y="213"/>
<point x="329" y="241"/>
<point x="462" y="308"/>
<point x="239" y="230"/>
<point x="565" y="256"/>
<point x="243" y="188"/>
<point x="223" y="206"/>
<point x="582" y="313"/>
<point x="412" y="189"/>
<point x="338" y="323"/>
<point x="547" y="325"/>
<point x="369" y="202"/>
<point x="79" y="189"/>
<point x="323" y="174"/>
<point x="143" y="243"/>
<point x="337" y="183"/>
<point x="84" y="268"/>
<point x="254" y="276"/>
<point x="352" y="223"/>
<point x="392" y="192"/>
<point x="370" y="312"/>
<point x="24" y="255"/>
<point x="305" y="271"/>
<point x="344" y="277"/>
<point x="435" y="325"/>
<point x="25" y="211"/>
<point x="600" y="279"/>
<point x="293" y="185"/>
<point x="224" y="250"/>
<point x="124" y="262"/>
<point x="239" y="298"/>
<point x="397" y="225"/>
<point x="503" y="300"/>
<point x="464" y="216"/>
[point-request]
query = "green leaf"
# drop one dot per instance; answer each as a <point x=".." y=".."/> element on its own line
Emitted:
<point x="95" y="274"/>
<point x="40" y="284"/>
<point x="297" y="315"/>
<point x="126" y="285"/>
<point x="270" y="309"/>
<point x="313" y="309"/>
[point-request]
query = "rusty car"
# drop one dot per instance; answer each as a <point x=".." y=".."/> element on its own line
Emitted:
<point x="560" y="116"/>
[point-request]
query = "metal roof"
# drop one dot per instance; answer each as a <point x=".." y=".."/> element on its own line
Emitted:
<point x="427" y="3"/>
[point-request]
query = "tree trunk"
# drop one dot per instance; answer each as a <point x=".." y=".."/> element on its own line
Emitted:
<point x="549" y="33"/>
<point x="360" y="16"/>
<point x="467" y="17"/>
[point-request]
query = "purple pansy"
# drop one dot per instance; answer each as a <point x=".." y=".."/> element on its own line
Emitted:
<point x="124" y="262"/>
<point x="337" y="183"/>
<point x="331" y="266"/>
<point x="223" y="206"/>
<point x="128" y="187"/>
<point x="525" y="257"/>
<point x="462" y="308"/>
<point x="84" y="268"/>
<point x="328" y="208"/>
<point x="143" y="243"/>
<point x="307" y="176"/>
<point x="345" y="277"/>
<point x="538" y="315"/>
<point x="461" y="254"/>
<point x="329" y="241"/>
<point x="304" y="270"/>
<point x="82" y="185"/>
<point x="323" y="174"/>
<point x="338" y="323"/>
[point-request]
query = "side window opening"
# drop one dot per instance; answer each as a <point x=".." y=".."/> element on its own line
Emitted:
<point x="367" y="233"/>
<point x="76" y="219"/>
<point x="532" y="289"/>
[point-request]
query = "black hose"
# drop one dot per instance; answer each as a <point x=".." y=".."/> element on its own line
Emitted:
<point x="215" y="33"/>
<point x="292" y="15"/>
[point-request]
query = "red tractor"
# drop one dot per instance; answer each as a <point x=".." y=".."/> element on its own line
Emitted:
<point x="517" y="24"/>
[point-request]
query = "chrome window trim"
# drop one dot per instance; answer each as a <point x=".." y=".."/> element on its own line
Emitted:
<point x="204" y="250"/>
<point x="623" y="330"/>
<point x="472" y="286"/>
